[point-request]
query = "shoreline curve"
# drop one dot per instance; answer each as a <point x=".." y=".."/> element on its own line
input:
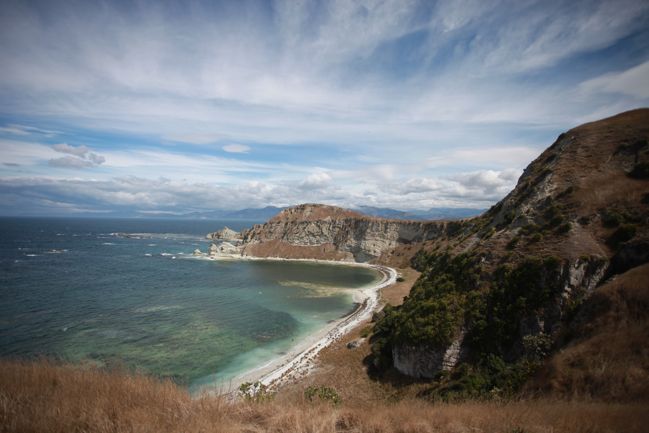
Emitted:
<point x="299" y="361"/>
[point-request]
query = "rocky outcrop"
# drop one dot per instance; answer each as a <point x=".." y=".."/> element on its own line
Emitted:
<point x="424" y="362"/>
<point x="328" y="232"/>
<point x="225" y="234"/>
<point x="224" y="248"/>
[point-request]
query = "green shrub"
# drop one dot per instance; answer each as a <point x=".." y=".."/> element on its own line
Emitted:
<point x="516" y="293"/>
<point x="623" y="233"/>
<point x="489" y="233"/>
<point x="490" y="378"/>
<point x="553" y="217"/>
<point x="530" y="229"/>
<point x="640" y="171"/>
<point x="564" y="228"/>
<point x="537" y="346"/>
<point x="611" y="218"/>
<point x="645" y="198"/>
<point x="255" y="392"/>
<point x="512" y="243"/>
<point x="366" y="331"/>
<point x="566" y="192"/>
<point x="452" y="293"/>
<point x="400" y="279"/>
<point x="322" y="393"/>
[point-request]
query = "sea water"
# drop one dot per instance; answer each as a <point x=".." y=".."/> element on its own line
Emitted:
<point x="129" y="293"/>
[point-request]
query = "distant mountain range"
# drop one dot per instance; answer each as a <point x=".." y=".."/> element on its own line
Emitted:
<point x="265" y="213"/>
<point x="249" y="214"/>
<point x="435" y="213"/>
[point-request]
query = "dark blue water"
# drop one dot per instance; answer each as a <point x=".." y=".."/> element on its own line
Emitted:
<point x="129" y="293"/>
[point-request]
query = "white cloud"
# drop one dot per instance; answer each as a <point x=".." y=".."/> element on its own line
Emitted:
<point x="409" y="96"/>
<point x="316" y="181"/>
<point x="476" y="189"/>
<point x="13" y="129"/>
<point x="489" y="182"/>
<point x="194" y="138"/>
<point x="81" y="157"/>
<point x="24" y="130"/>
<point x="633" y="82"/>
<point x="79" y="151"/>
<point x="70" y="162"/>
<point x="236" y="148"/>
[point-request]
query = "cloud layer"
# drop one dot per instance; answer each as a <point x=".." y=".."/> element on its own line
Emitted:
<point x="399" y="103"/>
<point x="78" y="157"/>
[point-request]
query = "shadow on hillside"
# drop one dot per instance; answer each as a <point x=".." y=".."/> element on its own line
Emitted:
<point x="390" y="376"/>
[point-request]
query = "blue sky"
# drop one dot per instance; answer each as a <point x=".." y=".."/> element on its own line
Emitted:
<point x="150" y="106"/>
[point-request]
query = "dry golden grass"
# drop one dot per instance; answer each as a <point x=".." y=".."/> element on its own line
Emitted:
<point x="43" y="397"/>
<point x="395" y="293"/>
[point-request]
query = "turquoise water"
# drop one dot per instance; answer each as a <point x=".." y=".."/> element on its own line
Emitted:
<point x="129" y="293"/>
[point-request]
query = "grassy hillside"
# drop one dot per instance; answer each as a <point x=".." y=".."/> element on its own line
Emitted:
<point x="506" y="291"/>
<point x="41" y="397"/>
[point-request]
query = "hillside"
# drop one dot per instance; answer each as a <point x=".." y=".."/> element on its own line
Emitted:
<point x="49" y="398"/>
<point x="505" y="292"/>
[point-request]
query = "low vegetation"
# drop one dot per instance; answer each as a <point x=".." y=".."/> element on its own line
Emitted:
<point x="455" y="293"/>
<point x="640" y="171"/>
<point x="45" y="397"/>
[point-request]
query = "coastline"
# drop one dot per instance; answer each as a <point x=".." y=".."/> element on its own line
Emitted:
<point x="300" y="360"/>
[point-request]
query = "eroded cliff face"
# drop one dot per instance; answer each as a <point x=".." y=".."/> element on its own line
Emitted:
<point x="327" y="232"/>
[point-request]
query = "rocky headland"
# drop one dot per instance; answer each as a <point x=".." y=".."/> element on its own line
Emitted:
<point x="321" y="232"/>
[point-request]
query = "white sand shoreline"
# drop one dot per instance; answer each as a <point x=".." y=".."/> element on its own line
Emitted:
<point x="300" y="360"/>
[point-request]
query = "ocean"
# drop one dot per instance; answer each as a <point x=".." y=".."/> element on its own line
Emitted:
<point x="128" y="293"/>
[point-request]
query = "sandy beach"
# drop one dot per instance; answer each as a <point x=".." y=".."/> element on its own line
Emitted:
<point x="300" y="360"/>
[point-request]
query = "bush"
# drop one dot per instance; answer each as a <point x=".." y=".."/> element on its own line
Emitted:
<point x="530" y="229"/>
<point x="566" y="192"/>
<point x="450" y="294"/>
<point x="553" y="217"/>
<point x="563" y="228"/>
<point x="640" y="171"/>
<point x="489" y="233"/>
<point x="512" y="244"/>
<point x="537" y="346"/>
<point x="624" y="233"/>
<point x="322" y="393"/>
<point x="400" y="279"/>
<point x="645" y="198"/>
<point x="611" y="218"/>
<point x="255" y="392"/>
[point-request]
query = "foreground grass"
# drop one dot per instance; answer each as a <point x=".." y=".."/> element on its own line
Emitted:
<point x="44" y="397"/>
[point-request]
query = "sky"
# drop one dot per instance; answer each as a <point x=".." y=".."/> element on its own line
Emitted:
<point x="157" y="107"/>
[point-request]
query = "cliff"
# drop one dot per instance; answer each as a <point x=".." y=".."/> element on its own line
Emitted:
<point x="327" y="232"/>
